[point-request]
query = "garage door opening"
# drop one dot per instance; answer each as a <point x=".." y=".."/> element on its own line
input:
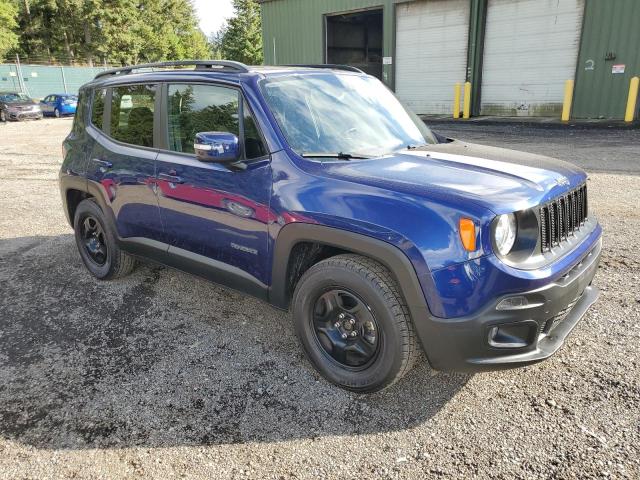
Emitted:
<point x="356" y="39"/>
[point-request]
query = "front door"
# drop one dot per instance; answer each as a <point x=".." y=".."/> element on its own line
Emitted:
<point x="48" y="104"/>
<point x="215" y="215"/>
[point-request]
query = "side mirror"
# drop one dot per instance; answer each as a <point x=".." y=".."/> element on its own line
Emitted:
<point x="216" y="147"/>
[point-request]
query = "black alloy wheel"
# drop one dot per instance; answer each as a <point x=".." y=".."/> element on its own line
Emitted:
<point x="94" y="240"/>
<point x="345" y="328"/>
<point x="353" y="323"/>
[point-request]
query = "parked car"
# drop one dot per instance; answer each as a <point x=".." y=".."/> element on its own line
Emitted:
<point x="59" y="104"/>
<point x="315" y="190"/>
<point x="18" y="106"/>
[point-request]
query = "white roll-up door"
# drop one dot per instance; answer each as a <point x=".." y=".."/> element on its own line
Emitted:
<point x="530" y="50"/>
<point x="431" y="53"/>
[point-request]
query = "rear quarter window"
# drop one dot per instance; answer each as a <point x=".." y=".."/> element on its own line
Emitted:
<point x="81" y="112"/>
<point x="97" y="108"/>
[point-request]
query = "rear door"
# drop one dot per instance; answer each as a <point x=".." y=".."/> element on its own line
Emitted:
<point x="122" y="162"/>
<point x="215" y="215"/>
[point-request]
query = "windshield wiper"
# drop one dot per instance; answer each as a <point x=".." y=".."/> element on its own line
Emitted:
<point x="338" y="155"/>
<point x="413" y="147"/>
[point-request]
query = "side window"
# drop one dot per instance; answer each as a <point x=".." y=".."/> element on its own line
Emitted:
<point x="200" y="108"/>
<point x="97" y="108"/>
<point x="253" y="144"/>
<point x="132" y="114"/>
<point x="81" y="112"/>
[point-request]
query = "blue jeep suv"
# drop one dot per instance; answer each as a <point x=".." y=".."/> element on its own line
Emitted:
<point x="314" y="189"/>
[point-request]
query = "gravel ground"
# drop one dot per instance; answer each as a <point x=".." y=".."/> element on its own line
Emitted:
<point x="163" y="375"/>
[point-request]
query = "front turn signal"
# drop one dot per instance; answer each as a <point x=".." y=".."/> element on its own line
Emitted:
<point x="467" y="230"/>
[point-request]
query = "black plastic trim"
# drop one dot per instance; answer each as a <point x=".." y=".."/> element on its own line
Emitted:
<point x="389" y="255"/>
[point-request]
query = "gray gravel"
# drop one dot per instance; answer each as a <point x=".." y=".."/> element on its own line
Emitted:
<point x="163" y="375"/>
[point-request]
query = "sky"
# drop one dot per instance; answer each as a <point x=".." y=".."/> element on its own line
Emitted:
<point x="212" y="14"/>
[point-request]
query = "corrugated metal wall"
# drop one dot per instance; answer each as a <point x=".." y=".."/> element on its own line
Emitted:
<point x="610" y="36"/>
<point x="293" y="31"/>
<point x="42" y="80"/>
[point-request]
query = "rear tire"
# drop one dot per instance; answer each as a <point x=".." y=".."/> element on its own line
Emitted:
<point x="97" y="244"/>
<point x="346" y="294"/>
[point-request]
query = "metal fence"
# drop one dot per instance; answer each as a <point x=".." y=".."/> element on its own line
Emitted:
<point x="38" y="81"/>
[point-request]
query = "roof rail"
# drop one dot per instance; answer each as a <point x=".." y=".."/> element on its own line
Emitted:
<point x="199" y="64"/>
<point x="348" y="68"/>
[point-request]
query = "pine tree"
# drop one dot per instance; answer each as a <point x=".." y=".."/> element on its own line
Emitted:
<point x="242" y="40"/>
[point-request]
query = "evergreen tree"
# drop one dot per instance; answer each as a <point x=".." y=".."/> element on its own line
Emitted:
<point x="8" y="26"/>
<point x="242" y="40"/>
<point x="114" y="31"/>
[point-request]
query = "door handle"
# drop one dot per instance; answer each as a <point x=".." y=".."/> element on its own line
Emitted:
<point x="102" y="163"/>
<point x="170" y="178"/>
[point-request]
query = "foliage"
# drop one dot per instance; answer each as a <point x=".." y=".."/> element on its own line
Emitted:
<point x="8" y="25"/>
<point x="113" y="31"/>
<point x="241" y="39"/>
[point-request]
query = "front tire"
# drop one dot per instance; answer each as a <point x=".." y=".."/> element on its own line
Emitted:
<point x="56" y="113"/>
<point x="354" y="324"/>
<point x="97" y="244"/>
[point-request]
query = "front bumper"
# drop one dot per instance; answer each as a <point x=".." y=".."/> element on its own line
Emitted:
<point x="551" y="312"/>
<point x="29" y="115"/>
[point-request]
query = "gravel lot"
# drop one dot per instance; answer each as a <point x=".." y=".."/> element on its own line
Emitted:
<point x="164" y="375"/>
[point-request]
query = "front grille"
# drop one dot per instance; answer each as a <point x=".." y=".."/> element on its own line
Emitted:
<point x="560" y="218"/>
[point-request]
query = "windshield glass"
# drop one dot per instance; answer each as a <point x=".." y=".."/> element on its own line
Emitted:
<point x="13" y="97"/>
<point x="348" y="114"/>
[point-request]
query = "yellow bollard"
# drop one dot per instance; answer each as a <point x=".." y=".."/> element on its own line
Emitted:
<point x="568" y="98"/>
<point x="632" y="99"/>
<point x="456" y="101"/>
<point x="466" y="109"/>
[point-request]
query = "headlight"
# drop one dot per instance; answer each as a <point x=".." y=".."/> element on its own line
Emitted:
<point x="504" y="233"/>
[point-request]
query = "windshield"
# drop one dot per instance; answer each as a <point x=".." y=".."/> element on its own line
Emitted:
<point x="13" y="97"/>
<point x="346" y="114"/>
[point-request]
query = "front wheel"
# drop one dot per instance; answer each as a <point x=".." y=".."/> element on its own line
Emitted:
<point x="354" y="324"/>
<point x="97" y="244"/>
<point x="56" y="113"/>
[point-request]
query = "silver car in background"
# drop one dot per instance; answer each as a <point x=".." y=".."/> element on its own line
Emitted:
<point x="18" y="106"/>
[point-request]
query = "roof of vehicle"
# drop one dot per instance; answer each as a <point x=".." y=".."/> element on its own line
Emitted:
<point x="218" y="68"/>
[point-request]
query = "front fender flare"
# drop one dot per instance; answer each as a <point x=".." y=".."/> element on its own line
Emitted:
<point x="387" y="254"/>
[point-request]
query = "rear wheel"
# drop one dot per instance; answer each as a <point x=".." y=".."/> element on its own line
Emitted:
<point x="97" y="244"/>
<point x="354" y="324"/>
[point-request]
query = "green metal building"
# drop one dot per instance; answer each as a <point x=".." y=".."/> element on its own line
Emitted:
<point x="517" y="54"/>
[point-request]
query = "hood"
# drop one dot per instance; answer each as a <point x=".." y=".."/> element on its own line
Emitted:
<point x="498" y="179"/>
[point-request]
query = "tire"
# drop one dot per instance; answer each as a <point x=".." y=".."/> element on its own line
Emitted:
<point x="97" y="244"/>
<point x="3" y="116"/>
<point x="359" y="282"/>
<point x="56" y="113"/>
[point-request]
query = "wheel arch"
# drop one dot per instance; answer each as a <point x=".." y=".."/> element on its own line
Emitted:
<point x="333" y="241"/>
